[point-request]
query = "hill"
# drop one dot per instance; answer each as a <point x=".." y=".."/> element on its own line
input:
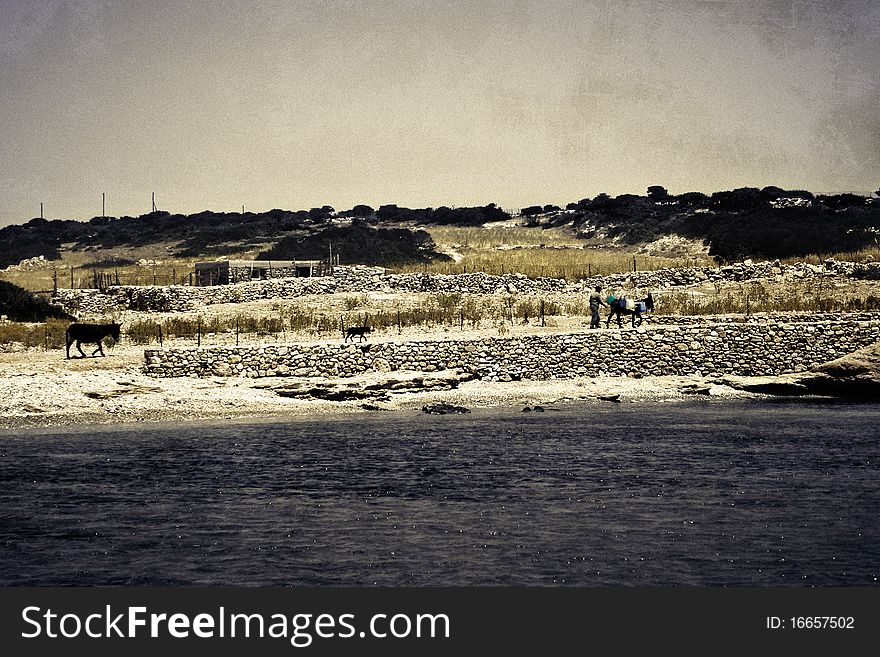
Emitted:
<point x="746" y="222"/>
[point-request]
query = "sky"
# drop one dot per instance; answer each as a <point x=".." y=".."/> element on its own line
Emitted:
<point x="293" y="104"/>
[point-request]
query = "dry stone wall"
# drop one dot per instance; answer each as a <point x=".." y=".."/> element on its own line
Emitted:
<point x="358" y="279"/>
<point x="728" y="348"/>
<point x="759" y="318"/>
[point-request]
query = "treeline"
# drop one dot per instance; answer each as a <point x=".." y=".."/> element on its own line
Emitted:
<point x="219" y="233"/>
<point x="205" y="233"/>
<point x="746" y="222"/>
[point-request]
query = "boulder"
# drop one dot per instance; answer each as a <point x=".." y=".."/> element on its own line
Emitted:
<point x="855" y="375"/>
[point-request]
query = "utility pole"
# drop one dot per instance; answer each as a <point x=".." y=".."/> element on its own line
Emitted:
<point x="41" y="209"/>
<point x="103" y="210"/>
<point x="154" y="201"/>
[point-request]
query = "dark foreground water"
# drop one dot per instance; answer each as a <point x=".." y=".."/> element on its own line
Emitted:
<point x="704" y="494"/>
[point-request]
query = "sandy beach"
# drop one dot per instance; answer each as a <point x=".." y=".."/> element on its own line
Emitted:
<point x="41" y="388"/>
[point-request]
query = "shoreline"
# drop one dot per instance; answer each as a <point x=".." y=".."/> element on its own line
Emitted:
<point x="32" y="401"/>
<point x="38" y="390"/>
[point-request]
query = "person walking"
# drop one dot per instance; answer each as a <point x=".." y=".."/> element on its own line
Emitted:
<point x="595" y="302"/>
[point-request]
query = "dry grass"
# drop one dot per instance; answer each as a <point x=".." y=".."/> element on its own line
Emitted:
<point x="758" y="297"/>
<point x="81" y="269"/>
<point x="844" y="256"/>
<point x="571" y="264"/>
<point x="495" y="236"/>
<point x="536" y="252"/>
<point x="48" y="335"/>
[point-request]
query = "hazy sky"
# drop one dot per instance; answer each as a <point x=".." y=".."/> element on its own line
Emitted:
<point x="423" y="103"/>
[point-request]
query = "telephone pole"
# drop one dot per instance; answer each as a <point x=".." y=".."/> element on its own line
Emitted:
<point x="41" y="209"/>
<point x="103" y="210"/>
<point x="154" y="201"/>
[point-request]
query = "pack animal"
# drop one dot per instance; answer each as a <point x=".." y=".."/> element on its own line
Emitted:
<point x="360" y="331"/>
<point x="90" y="334"/>
<point x="618" y="309"/>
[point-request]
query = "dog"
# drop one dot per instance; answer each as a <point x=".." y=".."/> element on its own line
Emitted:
<point x="359" y="331"/>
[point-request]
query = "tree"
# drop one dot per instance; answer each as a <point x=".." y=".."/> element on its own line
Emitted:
<point x="657" y="193"/>
<point x="742" y="198"/>
<point x="693" y="198"/>
<point x="361" y="210"/>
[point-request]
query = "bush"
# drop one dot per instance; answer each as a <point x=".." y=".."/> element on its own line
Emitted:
<point x="19" y="305"/>
<point x="359" y="243"/>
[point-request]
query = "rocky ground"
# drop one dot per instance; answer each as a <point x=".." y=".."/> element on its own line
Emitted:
<point x="43" y="389"/>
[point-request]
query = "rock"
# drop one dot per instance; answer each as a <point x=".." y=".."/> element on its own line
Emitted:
<point x="124" y="389"/>
<point x="695" y="389"/>
<point x="610" y="398"/>
<point x="444" y="409"/>
<point x="856" y="375"/>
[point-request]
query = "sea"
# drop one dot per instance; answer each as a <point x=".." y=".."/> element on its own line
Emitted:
<point x="708" y="493"/>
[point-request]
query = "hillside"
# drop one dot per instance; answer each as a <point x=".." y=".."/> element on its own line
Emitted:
<point x="747" y="222"/>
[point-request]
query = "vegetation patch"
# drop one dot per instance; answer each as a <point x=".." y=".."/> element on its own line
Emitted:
<point x="19" y="305"/>
<point x="359" y="244"/>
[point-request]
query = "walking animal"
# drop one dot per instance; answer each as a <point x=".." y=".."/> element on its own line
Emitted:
<point x="90" y="334"/>
<point x="618" y="308"/>
<point x="357" y="330"/>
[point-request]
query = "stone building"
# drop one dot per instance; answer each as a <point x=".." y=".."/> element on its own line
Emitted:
<point x="224" y="272"/>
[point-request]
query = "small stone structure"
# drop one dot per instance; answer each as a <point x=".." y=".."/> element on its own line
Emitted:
<point x="225" y="272"/>
<point x="747" y="349"/>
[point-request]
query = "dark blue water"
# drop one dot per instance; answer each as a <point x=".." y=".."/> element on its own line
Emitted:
<point x="703" y="494"/>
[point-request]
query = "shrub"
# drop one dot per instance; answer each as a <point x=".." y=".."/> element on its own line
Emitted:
<point x="19" y="305"/>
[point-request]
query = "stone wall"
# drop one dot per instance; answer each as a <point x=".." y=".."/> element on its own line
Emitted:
<point x="728" y="348"/>
<point x="359" y="279"/>
<point x="758" y="318"/>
